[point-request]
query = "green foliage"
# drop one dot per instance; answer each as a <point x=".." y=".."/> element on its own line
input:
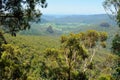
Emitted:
<point x="116" y="44"/>
<point x="103" y="36"/>
<point x="118" y="16"/>
<point x="74" y="53"/>
<point x="116" y="74"/>
<point x="2" y="39"/>
<point x="16" y="15"/>
<point x="57" y="66"/>
<point x="103" y="44"/>
<point x="11" y="66"/>
<point x="52" y="63"/>
<point x="32" y="53"/>
<point x="105" y="77"/>
<point x="40" y="43"/>
<point x="113" y="6"/>
<point x="72" y="59"/>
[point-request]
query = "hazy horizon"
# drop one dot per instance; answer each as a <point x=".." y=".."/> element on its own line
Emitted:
<point x="76" y="14"/>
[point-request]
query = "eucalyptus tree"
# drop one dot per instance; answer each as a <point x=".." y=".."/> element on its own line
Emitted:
<point x="75" y="56"/>
<point x="113" y="7"/>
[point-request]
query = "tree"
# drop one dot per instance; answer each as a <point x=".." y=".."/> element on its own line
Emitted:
<point x="116" y="44"/>
<point x="113" y="6"/>
<point x="75" y="56"/>
<point x="116" y="50"/>
<point x="75" y="53"/>
<point x="11" y="65"/>
<point x="16" y="15"/>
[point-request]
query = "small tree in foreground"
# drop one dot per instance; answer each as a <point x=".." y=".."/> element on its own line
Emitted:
<point x="116" y="50"/>
<point x="75" y="56"/>
<point x="11" y="65"/>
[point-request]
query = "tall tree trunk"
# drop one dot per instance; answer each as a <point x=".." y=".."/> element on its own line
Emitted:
<point x="70" y="59"/>
<point x="69" y="71"/>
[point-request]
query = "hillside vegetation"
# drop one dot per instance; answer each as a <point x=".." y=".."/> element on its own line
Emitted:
<point x="35" y="48"/>
<point x="59" y="51"/>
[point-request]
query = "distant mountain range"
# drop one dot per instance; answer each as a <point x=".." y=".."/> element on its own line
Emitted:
<point x="89" y="19"/>
<point x="63" y="24"/>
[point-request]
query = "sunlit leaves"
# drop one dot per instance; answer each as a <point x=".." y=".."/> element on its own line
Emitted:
<point x="103" y="36"/>
<point x="105" y="77"/>
<point x="92" y="35"/>
<point x="103" y="44"/>
<point x="51" y="52"/>
<point x="76" y="48"/>
<point x="63" y="39"/>
<point x="10" y="62"/>
<point x="83" y="52"/>
<point x="53" y="63"/>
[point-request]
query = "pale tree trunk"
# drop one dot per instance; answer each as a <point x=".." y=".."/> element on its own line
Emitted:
<point x="91" y="59"/>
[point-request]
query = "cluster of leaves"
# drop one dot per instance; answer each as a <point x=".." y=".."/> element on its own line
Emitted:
<point x="116" y="44"/>
<point x="105" y="77"/>
<point x="116" y="50"/>
<point x="16" y="15"/>
<point x="116" y="74"/>
<point x="10" y="65"/>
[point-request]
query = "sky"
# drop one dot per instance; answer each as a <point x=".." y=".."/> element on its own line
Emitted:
<point x="83" y="7"/>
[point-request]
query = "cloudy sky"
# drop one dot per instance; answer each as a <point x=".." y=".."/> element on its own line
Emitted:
<point x="84" y="7"/>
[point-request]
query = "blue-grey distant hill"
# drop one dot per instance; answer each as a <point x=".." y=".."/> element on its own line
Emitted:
<point x="89" y="19"/>
<point x="62" y="24"/>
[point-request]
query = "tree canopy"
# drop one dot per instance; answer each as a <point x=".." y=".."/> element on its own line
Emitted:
<point x="16" y="15"/>
<point x="74" y="59"/>
<point x="113" y="7"/>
